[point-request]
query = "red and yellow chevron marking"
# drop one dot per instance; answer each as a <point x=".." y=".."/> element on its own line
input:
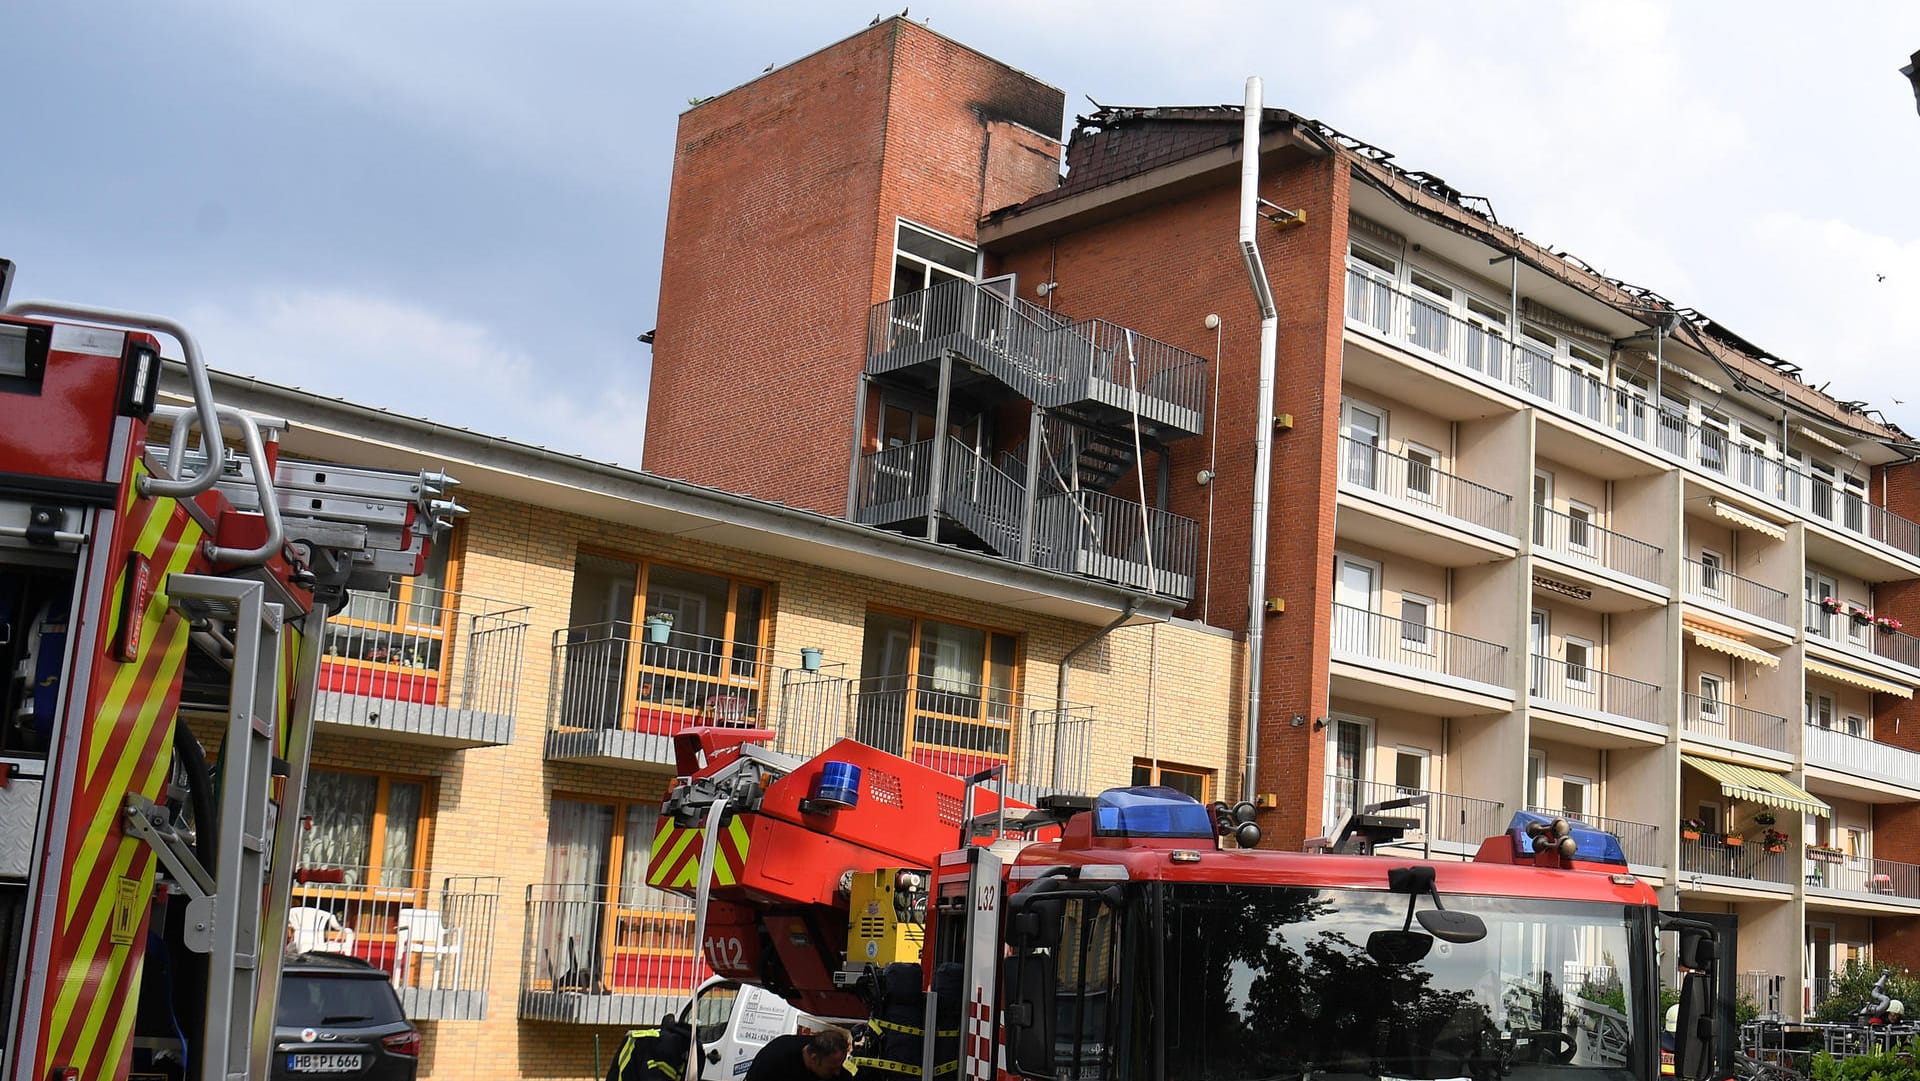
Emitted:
<point x="675" y="861"/>
<point x="92" y="983"/>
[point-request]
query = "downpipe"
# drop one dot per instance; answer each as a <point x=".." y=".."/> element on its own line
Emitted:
<point x="1263" y="423"/>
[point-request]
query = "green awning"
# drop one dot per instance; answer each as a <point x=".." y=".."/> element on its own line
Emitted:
<point x="1759" y="785"/>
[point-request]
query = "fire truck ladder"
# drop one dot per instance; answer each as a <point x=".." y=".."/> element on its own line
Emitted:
<point x="224" y="918"/>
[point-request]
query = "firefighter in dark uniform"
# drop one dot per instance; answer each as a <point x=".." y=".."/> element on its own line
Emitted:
<point x="819" y="1056"/>
<point x="653" y="1054"/>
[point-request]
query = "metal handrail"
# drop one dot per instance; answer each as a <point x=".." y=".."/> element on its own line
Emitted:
<point x="1743" y="594"/>
<point x="1581" y="538"/>
<point x="1443" y="816"/>
<point x="1712" y="717"/>
<point x="1832" y="748"/>
<point x="1588" y="687"/>
<point x="1365" y="467"/>
<point x="1363" y="633"/>
<point x="1640" y="841"/>
<point x="1711" y="854"/>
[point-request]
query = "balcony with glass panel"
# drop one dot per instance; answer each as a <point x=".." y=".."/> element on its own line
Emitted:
<point x="1619" y="573"/>
<point x="1405" y="503"/>
<point x="1412" y="664"/>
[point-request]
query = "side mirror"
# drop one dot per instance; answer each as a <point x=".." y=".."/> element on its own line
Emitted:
<point x="1693" y="1039"/>
<point x="1027" y="1013"/>
<point x="1450" y="926"/>
<point x="1398" y="947"/>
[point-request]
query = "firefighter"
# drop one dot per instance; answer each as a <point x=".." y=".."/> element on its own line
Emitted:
<point x="818" y="1056"/>
<point x="653" y="1054"/>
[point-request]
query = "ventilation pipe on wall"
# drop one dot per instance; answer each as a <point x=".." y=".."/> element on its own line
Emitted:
<point x="1263" y="423"/>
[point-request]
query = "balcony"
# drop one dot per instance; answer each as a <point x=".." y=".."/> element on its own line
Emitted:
<point x="1879" y="881"/>
<point x="607" y="955"/>
<point x="1736" y="728"/>
<point x="1578" y="543"/>
<point x="618" y="697"/>
<point x="960" y="728"/>
<point x="1720" y="588"/>
<point x="436" y="945"/>
<point x="1842" y="760"/>
<point x="1091" y="367"/>
<point x="1380" y="309"/>
<point x="1082" y="532"/>
<point x="1710" y="854"/>
<point x="1598" y="701"/>
<point x="1416" y="665"/>
<point x="1855" y="637"/>
<point x="1435" y="515"/>
<point x="423" y="666"/>
<point x="1639" y="840"/>
<point x="1455" y="824"/>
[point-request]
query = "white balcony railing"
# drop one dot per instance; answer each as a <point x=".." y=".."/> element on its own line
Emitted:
<point x="1713" y="718"/>
<point x="1585" y="687"/>
<point x="1481" y="350"/>
<point x="1370" y="635"/>
<point x="1579" y="540"/>
<point x="1721" y="586"/>
<point x="1639" y="840"/>
<point x="1422" y="487"/>
<point x="1844" y="752"/>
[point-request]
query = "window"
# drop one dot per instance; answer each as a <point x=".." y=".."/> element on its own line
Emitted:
<point x="1580" y="527"/>
<point x="1416" y="623"/>
<point x="1420" y="473"/>
<point x="598" y="925"/>
<point x="1364" y="429"/>
<point x="395" y="644"/>
<point x="621" y="669"/>
<point x="1542" y="505"/>
<point x="369" y="827"/>
<point x="1192" y="780"/>
<point x="1410" y="769"/>
<point x="1819" y="587"/>
<point x="1820" y="710"/>
<point x="1575" y="795"/>
<point x="943" y="694"/>
<point x="1854" y="725"/>
<point x="1710" y="699"/>
<point x="1579" y="661"/>
<point x="923" y="258"/>
<point x="1710" y="568"/>
<point x="1710" y="817"/>
<point x="1713" y="441"/>
<point x="1374" y="259"/>
<point x="1537" y="778"/>
<point x="1349" y="771"/>
<point x="1356" y="586"/>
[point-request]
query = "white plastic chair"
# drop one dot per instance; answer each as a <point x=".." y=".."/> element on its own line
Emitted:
<point x="420" y="932"/>
<point x="316" y="930"/>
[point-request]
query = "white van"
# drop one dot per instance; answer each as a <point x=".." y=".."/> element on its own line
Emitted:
<point x="734" y="1020"/>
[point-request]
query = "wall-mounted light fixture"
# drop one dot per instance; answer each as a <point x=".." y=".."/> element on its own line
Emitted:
<point x="1297" y="720"/>
<point x="1319" y="724"/>
<point x="1044" y="288"/>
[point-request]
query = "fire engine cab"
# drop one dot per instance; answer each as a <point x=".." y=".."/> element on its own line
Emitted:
<point x="152" y="571"/>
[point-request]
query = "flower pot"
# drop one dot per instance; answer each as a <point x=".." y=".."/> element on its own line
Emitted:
<point x="658" y="630"/>
<point x="1776" y="848"/>
<point x="810" y="659"/>
<point x="1735" y="841"/>
<point x="1689" y="835"/>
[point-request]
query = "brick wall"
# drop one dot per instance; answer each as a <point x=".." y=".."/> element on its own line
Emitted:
<point x="780" y="231"/>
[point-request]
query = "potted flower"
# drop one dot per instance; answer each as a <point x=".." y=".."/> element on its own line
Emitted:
<point x="1831" y="604"/>
<point x="659" y="625"/>
<point x="1733" y="840"/>
<point x="1887" y="624"/>
<point x="1690" y="829"/>
<point x="1825" y="854"/>
<point x="1861" y="617"/>
<point x="1764" y="818"/>
<point x="1774" y="840"/>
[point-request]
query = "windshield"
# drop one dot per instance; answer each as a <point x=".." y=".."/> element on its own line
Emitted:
<point x="1275" y="982"/>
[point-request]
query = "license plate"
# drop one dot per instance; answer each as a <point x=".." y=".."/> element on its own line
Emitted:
<point x="323" y="1063"/>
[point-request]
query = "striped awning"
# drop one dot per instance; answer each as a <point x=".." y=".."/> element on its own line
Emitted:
<point x="1760" y="786"/>
<point x="1750" y="521"/>
<point x="1734" y="647"/>
<point x="1859" y="679"/>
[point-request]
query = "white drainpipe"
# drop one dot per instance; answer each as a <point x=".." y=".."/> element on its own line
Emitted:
<point x="1263" y="424"/>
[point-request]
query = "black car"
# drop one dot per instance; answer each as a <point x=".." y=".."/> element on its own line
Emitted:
<point x="339" y="1016"/>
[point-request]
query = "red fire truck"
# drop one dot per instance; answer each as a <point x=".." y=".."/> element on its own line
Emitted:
<point x="1141" y="934"/>
<point x="143" y="893"/>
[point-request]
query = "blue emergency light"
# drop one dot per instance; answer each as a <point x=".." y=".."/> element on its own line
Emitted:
<point x="1154" y="811"/>
<point x="837" y="786"/>
<point x="1590" y="845"/>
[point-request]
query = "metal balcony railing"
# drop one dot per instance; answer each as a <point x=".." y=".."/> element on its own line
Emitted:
<point x="960" y="727"/>
<point x="432" y="934"/>
<point x="1710" y="854"/>
<point x="1867" y="876"/>
<point x="1581" y="540"/>
<point x="1422" y="487"/>
<point x="1444" y="817"/>
<point x="424" y="661"/>
<point x="603" y="954"/>
<point x="1830" y="748"/>
<point x="1160" y="370"/>
<point x="1862" y="635"/>
<point x="1429" y="327"/>
<point x="1716" y="719"/>
<point x="1586" y="687"/>
<point x="1360" y="633"/>
<point x="1104" y="536"/>
<point x="1639" y="840"/>
<point x="1702" y="582"/>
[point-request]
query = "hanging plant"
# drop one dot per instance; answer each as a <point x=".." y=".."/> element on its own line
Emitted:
<point x="1764" y="818"/>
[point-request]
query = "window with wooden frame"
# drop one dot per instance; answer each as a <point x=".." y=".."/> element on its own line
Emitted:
<point x="362" y="862"/>
<point x="396" y="646"/>
<point x="598" y="925"/>
<point x="943" y="694"/>
<point x="1192" y="780"/>
<point x="653" y="647"/>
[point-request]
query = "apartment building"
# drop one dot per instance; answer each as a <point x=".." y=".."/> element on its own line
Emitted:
<point x="494" y="736"/>
<point x="1540" y="538"/>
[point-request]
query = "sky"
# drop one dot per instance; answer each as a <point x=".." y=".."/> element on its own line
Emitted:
<point x="455" y="210"/>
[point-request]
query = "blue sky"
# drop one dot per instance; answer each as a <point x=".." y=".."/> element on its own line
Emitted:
<point x="455" y="210"/>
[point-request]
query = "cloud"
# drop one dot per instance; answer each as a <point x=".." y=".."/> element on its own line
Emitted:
<point x="400" y="356"/>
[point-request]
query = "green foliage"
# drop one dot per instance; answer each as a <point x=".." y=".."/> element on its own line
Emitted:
<point x="1853" y="990"/>
<point x="1895" y="1065"/>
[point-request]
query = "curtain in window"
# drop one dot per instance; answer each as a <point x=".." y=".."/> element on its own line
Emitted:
<point x="341" y="808"/>
<point x="638" y="836"/>
<point x="399" y="847"/>
<point x="579" y="840"/>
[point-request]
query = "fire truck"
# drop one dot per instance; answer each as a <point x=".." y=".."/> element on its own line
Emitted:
<point x="153" y="572"/>
<point x="1141" y="934"/>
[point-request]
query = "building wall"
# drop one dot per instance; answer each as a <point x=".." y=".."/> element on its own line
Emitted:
<point x="780" y="233"/>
